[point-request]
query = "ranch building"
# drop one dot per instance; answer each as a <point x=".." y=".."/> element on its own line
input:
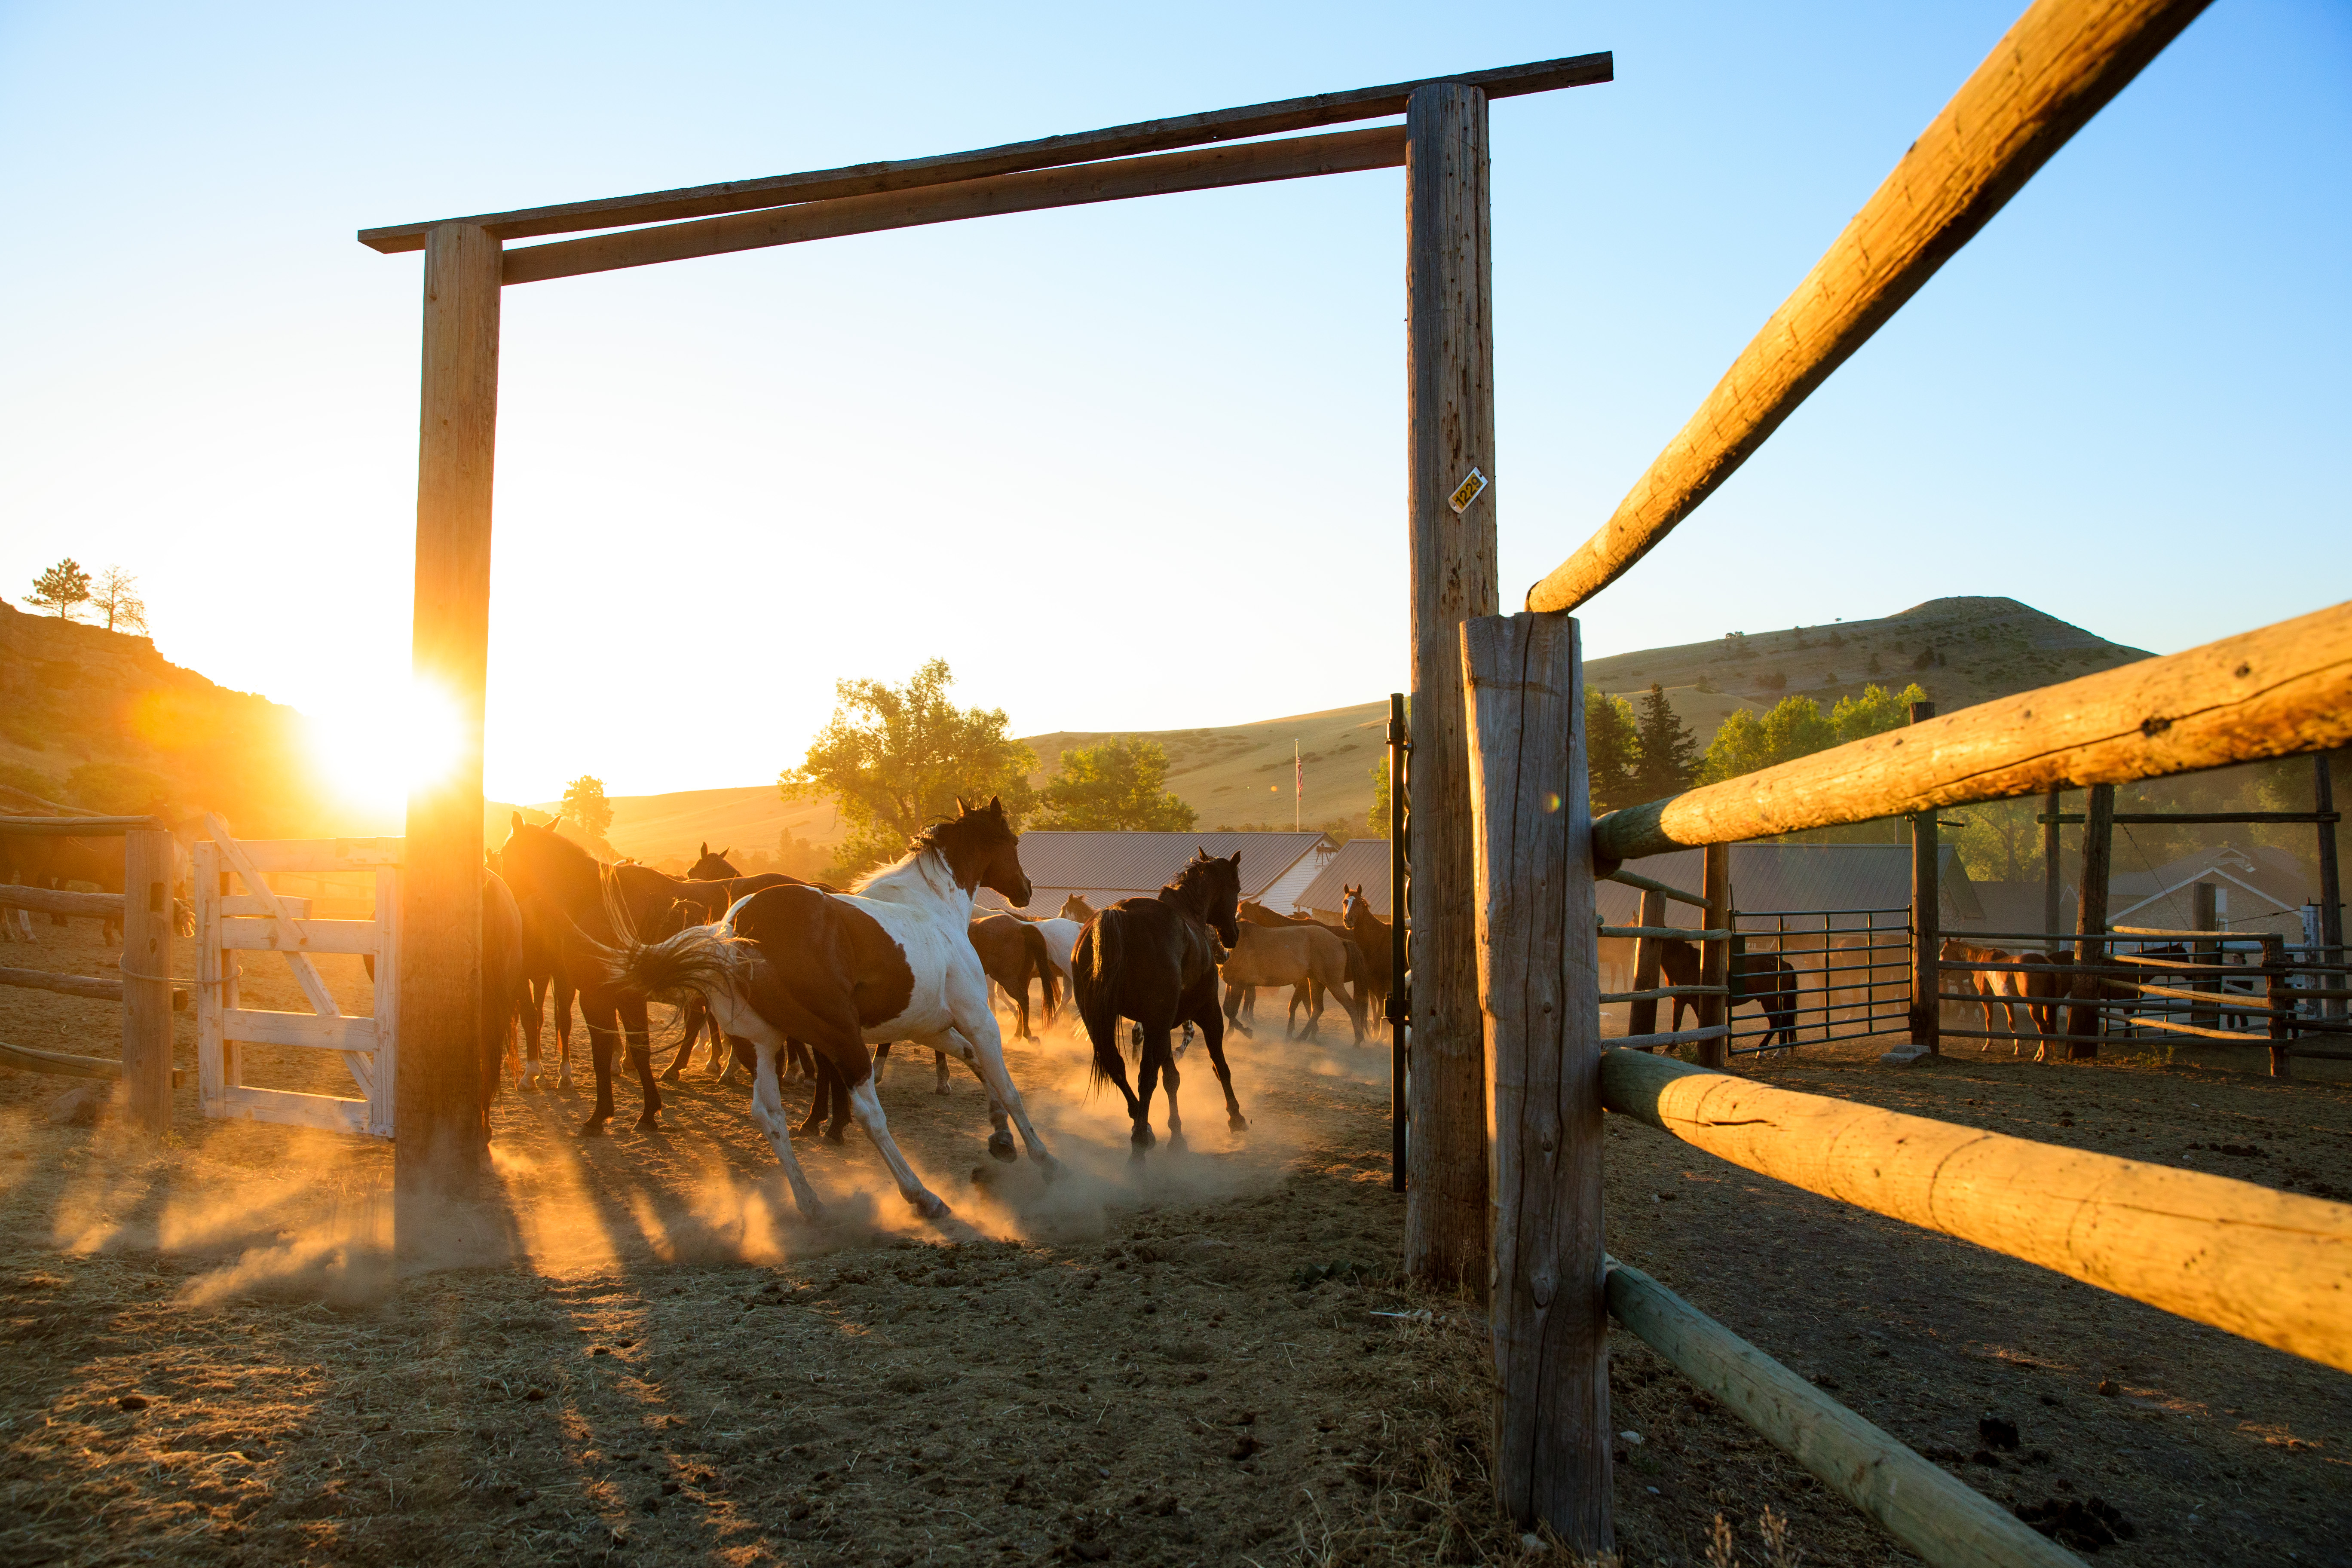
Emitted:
<point x="1360" y="863"/>
<point x="1104" y="868"/>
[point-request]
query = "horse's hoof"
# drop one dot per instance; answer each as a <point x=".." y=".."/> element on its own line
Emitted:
<point x="1237" y="1122"/>
<point x="941" y="1088"/>
<point x="1175" y="1140"/>
<point x="931" y="1206"/>
<point x="1002" y="1151"/>
<point x="648" y="1122"/>
<point x="670" y="1076"/>
<point x="594" y="1127"/>
<point x="837" y="1135"/>
<point x="1142" y="1137"/>
<point x="1048" y="1167"/>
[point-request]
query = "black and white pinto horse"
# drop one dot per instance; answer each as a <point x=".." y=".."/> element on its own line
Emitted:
<point x="892" y="961"/>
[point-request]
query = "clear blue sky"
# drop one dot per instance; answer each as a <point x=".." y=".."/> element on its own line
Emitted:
<point x="1140" y="464"/>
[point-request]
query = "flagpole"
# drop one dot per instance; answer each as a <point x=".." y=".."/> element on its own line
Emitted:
<point x="1298" y="786"/>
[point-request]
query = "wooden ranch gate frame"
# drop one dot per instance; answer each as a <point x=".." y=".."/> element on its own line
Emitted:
<point x="441" y="1147"/>
<point x="230" y="924"/>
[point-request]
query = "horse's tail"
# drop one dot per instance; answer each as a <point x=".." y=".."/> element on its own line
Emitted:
<point x="696" y="958"/>
<point x="1097" y="964"/>
<point x="1041" y="959"/>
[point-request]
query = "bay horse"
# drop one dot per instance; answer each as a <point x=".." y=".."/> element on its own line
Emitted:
<point x="1763" y="978"/>
<point x="573" y="898"/>
<point x="1155" y="961"/>
<point x="1370" y="935"/>
<point x="1291" y="955"/>
<point x="1308" y="992"/>
<point x="891" y="961"/>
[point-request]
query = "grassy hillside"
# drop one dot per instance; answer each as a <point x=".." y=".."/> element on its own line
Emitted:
<point x="99" y="718"/>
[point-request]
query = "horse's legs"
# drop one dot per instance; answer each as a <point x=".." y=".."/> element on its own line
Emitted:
<point x="534" y="1005"/>
<point x="768" y="1109"/>
<point x="565" y="993"/>
<point x="1234" y="997"/>
<point x="1147" y="1079"/>
<point x="881" y="1061"/>
<point x="604" y="1032"/>
<point x="1167" y="1075"/>
<point x="866" y="1106"/>
<point x="641" y="1060"/>
<point x="939" y="1067"/>
<point x="691" y="1014"/>
<point x="1212" y="1035"/>
<point x="1000" y="1138"/>
<point x="990" y="1048"/>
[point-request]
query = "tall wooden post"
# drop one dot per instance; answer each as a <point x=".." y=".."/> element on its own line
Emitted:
<point x="2052" y="871"/>
<point x="441" y="1122"/>
<point x="2278" y="995"/>
<point x="2091" y="918"/>
<point x="1642" y="1017"/>
<point x="147" y="864"/>
<point x="1715" y="957"/>
<point x="1450" y="356"/>
<point x="2204" y="915"/>
<point x="1539" y="995"/>
<point x="2331" y="887"/>
<point x="1926" y="922"/>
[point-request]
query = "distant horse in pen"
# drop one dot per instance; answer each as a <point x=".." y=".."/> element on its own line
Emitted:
<point x="1763" y="978"/>
<point x="1155" y="961"/>
<point x="891" y="961"/>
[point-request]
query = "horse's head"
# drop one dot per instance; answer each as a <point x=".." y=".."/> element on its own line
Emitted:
<point x="711" y="868"/>
<point x="1216" y="880"/>
<point x="983" y="850"/>
<point x="1076" y="908"/>
<point x="1351" y="903"/>
<point x="543" y="867"/>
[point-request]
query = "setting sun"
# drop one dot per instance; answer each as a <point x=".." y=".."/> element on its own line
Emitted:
<point x="374" y="753"/>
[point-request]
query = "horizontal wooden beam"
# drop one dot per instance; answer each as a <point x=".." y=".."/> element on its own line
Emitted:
<point x="1948" y="1522"/>
<point x="61" y="901"/>
<point x="1199" y="169"/>
<point x="92" y="826"/>
<point x="2280" y="691"/>
<point x="96" y="987"/>
<point x="2270" y="1267"/>
<point x="1647" y="886"/>
<point x="2057" y="67"/>
<point x="58" y="1064"/>
<point x="2314" y="818"/>
<point x="1114" y="142"/>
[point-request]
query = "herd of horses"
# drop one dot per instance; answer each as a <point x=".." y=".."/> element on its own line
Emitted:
<point x="792" y="979"/>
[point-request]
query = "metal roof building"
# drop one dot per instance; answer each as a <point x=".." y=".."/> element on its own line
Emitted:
<point x="1359" y="860"/>
<point x="1767" y="879"/>
<point x="1107" y="867"/>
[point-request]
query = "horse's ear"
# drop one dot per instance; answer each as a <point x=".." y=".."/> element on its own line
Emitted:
<point x="705" y="846"/>
<point x="1236" y="859"/>
<point x="516" y="823"/>
<point x="725" y="852"/>
<point x="961" y="809"/>
<point x="996" y="806"/>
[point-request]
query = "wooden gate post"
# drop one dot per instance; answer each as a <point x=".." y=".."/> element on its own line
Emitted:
<point x="1715" y="957"/>
<point x="2090" y="919"/>
<point x="1642" y="1017"/>
<point x="2204" y="915"/>
<point x="441" y="1123"/>
<point x="1539" y="997"/>
<point x="147" y="865"/>
<point x="1926" y="922"/>
<point x="1449" y="466"/>
<point x="2052" y="874"/>
<point x="2331" y="887"/>
<point x="2278" y="995"/>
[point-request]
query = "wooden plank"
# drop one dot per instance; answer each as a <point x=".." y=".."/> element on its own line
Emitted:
<point x="89" y="986"/>
<point x="381" y="1104"/>
<point x="2268" y="1266"/>
<point x="57" y="1063"/>
<point x="61" y="901"/>
<point x="2073" y="818"/>
<point x="1934" y="1513"/>
<point x="2284" y="690"/>
<point x="245" y="906"/>
<point x="306" y="975"/>
<point x="441" y="1150"/>
<point x="1450" y="424"/>
<point x="1668" y="934"/>
<point x="2050" y="866"/>
<point x="1678" y="1038"/>
<point x="149" y="862"/>
<point x="216" y="988"/>
<point x="309" y="936"/>
<point x="321" y="855"/>
<point x="1661" y="889"/>
<point x="1656" y="994"/>
<point x="1113" y="142"/>
<point x="2090" y="921"/>
<point x="322" y="1111"/>
<point x="1715" y="956"/>
<point x="1206" y="169"/>
<point x="260" y="1026"/>
<point x="1539" y="985"/>
<point x="91" y="826"/>
<point x="2279" y="1024"/>
<point x="2058" y="66"/>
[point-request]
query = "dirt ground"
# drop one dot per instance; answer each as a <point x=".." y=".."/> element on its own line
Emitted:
<point x="1206" y="1358"/>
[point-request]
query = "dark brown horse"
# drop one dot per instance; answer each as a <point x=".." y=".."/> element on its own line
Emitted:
<point x="892" y="961"/>
<point x="569" y="894"/>
<point x="1371" y="936"/>
<point x="1155" y="961"/>
<point x="1762" y="978"/>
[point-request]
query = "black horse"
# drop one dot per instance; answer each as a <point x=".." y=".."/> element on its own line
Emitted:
<point x="1759" y="977"/>
<point x="1155" y="961"/>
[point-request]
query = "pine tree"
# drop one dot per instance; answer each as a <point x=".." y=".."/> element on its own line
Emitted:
<point x="1611" y="751"/>
<point x="1665" y="752"/>
<point x="60" y="588"/>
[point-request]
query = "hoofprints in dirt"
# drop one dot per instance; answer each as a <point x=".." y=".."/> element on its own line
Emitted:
<point x="841" y="971"/>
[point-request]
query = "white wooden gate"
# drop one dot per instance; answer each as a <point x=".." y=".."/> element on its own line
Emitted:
<point x="259" y="921"/>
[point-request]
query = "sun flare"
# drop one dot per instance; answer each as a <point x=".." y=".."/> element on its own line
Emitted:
<point x="375" y="755"/>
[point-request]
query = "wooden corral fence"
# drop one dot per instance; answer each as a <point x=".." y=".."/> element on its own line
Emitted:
<point x="2272" y="1267"/>
<point x="231" y="924"/>
<point x="145" y="989"/>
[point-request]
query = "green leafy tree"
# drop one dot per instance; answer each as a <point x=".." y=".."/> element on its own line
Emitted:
<point x="1797" y="728"/>
<point x="1119" y="784"/>
<point x="1612" y="751"/>
<point x="1377" y="820"/>
<point x="1665" y="752"/>
<point x="585" y="806"/>
<point x="1874" y="712"/>
<point x="894" y="759"/>
<point x="60" y="588"/>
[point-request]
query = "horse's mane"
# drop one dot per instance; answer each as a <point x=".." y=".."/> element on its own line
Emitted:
<point x="932" y="840"/>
